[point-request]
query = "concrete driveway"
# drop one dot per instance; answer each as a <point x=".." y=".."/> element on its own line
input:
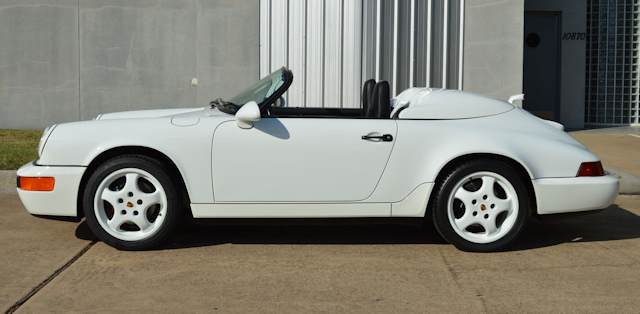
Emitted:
<point x="585" y="264"/>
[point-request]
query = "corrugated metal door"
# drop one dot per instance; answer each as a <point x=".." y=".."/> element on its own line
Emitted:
<point x="332" y="46"/>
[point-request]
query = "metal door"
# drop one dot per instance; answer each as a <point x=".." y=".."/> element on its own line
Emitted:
<point x="300" y="159"/>
<point x="541" y="64"/>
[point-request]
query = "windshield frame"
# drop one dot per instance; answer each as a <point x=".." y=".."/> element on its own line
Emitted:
<point x="231" y="107"/>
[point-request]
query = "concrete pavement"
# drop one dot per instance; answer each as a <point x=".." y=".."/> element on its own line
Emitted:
<point x="31" y="249"/>
<point x="584" y="264"/>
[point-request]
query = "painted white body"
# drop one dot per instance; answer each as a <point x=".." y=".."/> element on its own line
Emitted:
<point x="321" y="167"/>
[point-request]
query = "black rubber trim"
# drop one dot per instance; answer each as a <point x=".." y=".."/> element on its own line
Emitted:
<point x="288" y="79"/>
<point x="296" y="112"/>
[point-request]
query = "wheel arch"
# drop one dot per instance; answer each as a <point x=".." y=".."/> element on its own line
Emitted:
<point x="170" y="165"/>
<point x="515" y="165"/>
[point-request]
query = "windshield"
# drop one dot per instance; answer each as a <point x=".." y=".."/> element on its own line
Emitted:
<point x="258" y="92"/>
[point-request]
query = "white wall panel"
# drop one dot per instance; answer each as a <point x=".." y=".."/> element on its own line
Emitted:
<point x="279" y="34"/>
<point x="351" y="54"/>
<point x="297" y="50"/>
<point x="333" y="46"/>
<point x="315" y="53"/>
<point x="333" y="54"/>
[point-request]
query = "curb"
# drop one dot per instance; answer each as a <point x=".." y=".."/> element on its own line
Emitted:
<point x="8" y="181"/>
<point x="629" y="184"/>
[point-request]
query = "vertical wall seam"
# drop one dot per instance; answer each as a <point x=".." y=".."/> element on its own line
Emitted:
<point x="394" y="50"/>
<point x="428" y="45"/>
<point x="79" y="69"/>
<point x="288" y="41"/>
<point x="445" y="42"/>
<point x="412" y="39"/>
<point x="306" y="35"/>
<point x="198" y="42"/>
<point x="341" y="74"/>
<point x="461" y="45"/>
<point x="378" y="37"/>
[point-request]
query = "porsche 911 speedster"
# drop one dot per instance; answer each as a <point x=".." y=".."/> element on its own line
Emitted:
<point x="477" y="166"/>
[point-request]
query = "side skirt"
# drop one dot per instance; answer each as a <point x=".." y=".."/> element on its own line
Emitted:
<point x="288" y="210"/>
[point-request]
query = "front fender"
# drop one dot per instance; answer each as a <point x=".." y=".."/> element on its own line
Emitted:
<point x="79" y="143"/>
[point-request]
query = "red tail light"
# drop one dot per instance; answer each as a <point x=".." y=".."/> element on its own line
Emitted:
<point x="591" y="169"/>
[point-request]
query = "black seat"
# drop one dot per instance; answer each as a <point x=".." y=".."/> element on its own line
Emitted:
<point x="381" y="102"/>
<point x="367" y="93"/>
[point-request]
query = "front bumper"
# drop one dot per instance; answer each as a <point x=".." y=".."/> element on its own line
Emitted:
<point x="62" y="201"/>
<point x="568" y="195"/>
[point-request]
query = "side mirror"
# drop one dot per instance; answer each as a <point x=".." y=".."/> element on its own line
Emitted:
<point x="249" y="112"/>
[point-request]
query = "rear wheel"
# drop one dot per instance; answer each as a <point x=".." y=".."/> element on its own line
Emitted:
<point x="481" y="206"/>
<point x="131" y="203"/>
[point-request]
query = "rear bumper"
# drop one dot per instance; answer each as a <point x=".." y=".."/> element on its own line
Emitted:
<point x="62" y="201"/>
<point x="568" y="195"/>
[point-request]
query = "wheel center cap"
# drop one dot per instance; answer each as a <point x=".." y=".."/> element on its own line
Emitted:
<point x="129" y="204"/>
<point x="481" y="207"/>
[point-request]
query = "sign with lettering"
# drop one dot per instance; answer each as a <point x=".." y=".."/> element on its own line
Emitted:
<point x="574" y="36"/>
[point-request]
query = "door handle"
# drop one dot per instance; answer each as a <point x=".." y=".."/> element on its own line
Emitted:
<point x="384" y="138"/>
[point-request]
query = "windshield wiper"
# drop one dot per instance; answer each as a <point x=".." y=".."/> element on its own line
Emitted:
<point x="224" y="106"/>
<point x="216" y="103"/>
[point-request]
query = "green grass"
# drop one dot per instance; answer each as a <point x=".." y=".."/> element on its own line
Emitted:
<point x="18" y="147"/>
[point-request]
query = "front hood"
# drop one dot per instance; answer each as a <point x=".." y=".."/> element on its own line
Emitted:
<point x="155" y="113"/>
<point x="447" y="104"/>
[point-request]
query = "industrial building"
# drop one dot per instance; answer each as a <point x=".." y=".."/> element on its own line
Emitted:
<point x="70" y="60"/>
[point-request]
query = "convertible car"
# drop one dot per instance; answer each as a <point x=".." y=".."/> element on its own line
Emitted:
<point x="476" y="166"/>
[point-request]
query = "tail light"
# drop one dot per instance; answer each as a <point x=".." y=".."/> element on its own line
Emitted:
<point x="591" y="169"/>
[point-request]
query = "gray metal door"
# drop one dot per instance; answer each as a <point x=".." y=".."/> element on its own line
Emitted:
<point x="541" y="64"/>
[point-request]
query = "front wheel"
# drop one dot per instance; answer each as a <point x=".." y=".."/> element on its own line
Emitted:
<point x="481" y="206"/>
<point x="131" y="203"/>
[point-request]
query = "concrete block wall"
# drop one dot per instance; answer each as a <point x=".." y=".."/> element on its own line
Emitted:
<point x="70" y="60"/>
<point x="493" y="51"/>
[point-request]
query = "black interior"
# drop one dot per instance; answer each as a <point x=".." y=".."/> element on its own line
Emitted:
<point x="381" y="102"/>
<point x="367" y="94"/>
<point x="376" y="104"/>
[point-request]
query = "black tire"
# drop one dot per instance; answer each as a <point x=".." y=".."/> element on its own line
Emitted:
<point x="481" y="206"/>
<point x="131" y="203"/>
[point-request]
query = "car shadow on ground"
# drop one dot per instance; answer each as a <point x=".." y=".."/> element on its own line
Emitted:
<point x="613" y="223"/>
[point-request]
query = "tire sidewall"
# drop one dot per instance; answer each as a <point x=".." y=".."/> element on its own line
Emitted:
<point x="441" y="207"/>
<point x="148" y="165"/>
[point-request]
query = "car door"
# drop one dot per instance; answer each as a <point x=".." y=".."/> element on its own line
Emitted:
<point x="300" y="159"/>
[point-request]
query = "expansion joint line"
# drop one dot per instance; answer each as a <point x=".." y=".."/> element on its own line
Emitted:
<point x="24" y="299"/>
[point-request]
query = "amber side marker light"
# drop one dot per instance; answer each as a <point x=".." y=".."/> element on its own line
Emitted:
<point x="37" y="184"/>
<point x="591" y="169"/>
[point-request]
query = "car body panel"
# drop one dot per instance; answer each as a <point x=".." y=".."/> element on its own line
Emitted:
<point x="566" y="195"/>
<point x="321" y="167"/>
<point x="300" y="160"/>
<point x="447" y="104"/>
<point x="428" y="145"/>
<point x="188" y="147"/>
<point x="291" y="210"/>
<point x="62" y="201"/>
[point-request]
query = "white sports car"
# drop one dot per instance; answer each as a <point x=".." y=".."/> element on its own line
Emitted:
<point x="476" y="165"/>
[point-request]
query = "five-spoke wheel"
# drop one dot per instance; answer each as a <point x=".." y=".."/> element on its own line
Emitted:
<point x="481" y="206"/>
<point x="130" y="202"/>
